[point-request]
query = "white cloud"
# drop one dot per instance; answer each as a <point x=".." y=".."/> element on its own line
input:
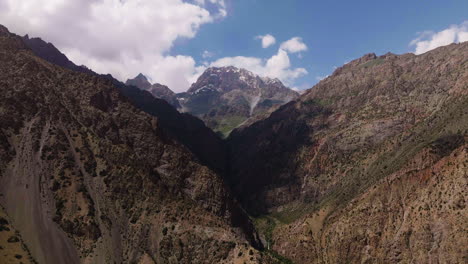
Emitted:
<point x="120" y="37"/>
<point x="124" y="37"/>
<point x="219" y="5"/>
<point x="429" y="40"/>
<point x="207" y="54"/>
<point x="267" y="40"/>
<point x="278" y="66"/>
<point x="294" y="45"/>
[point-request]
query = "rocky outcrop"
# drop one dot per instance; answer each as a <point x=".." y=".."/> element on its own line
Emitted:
<point x="87" y="177"/>
<point x="226" y="97"/>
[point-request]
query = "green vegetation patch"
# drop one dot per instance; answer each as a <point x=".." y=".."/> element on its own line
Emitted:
<point x="321" y="102"/>
<point x="372" y="63"/>
<point x="442" y="134"/>
<point x="266" y="226"/>
<point x="229" y="123"/>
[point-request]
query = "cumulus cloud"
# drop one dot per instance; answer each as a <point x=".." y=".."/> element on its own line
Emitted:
<point x="219" y="5"/>
<point x="278" y="66"/>
<point x="294" y="45"/>
<point x="120" y="37"/>
<point x="267" y="40"/>
<point x="207" y="54"/>
<point x="124" y="37"/>
<point x="429" y="40"/>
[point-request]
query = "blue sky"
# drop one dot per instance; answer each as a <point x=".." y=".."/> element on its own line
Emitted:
<point x="166" y="39"/>
<point x="334" y="31"/>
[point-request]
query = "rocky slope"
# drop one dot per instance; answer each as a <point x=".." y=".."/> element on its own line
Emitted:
<point x="157" y="90"/>
<point x="49" y="52"/>
<point x="226" y="97"/>
<point x="12" y="247"/>
<point x="369" y="166"/>
<point x="187" y="129"/>
<point x="86" y="177"/>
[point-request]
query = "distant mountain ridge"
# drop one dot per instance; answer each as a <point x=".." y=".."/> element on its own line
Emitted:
<point x="225" y="97"/>
<point x="156" y="89"/>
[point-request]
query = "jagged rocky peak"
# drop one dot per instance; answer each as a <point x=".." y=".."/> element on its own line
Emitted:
<point x="156" y="89"/>
<point x="141" y="77"/>
<point x="139" y="81"/>
<point x="225" y="97"/>
<point x="229" y="78"/>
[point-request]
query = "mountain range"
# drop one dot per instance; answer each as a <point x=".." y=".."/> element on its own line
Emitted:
<point x="224" y="97"/>
<point x="368" y="166"/>
<point x="157" y="90"/>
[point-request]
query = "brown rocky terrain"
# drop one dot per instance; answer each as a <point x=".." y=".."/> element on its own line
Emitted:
<point x="86" y="177"/>
<point x="12" y="247"/>
<point x="369" y="166"/>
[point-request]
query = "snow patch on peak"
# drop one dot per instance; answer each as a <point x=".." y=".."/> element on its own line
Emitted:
<point x="206" y="88"/>
<point x="269" y="80"/>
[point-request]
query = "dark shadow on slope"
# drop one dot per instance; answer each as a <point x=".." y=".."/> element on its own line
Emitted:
<point x="190" y="131"/>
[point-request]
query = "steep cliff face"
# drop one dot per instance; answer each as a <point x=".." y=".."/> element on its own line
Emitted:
<point x="343" y="171"/>
<point x="86" y="177"/>
<point x="225" y="97"/>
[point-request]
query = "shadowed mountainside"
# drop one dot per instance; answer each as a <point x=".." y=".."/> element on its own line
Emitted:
<point x="188" y="130"/>
<point x="86" y="177"/>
